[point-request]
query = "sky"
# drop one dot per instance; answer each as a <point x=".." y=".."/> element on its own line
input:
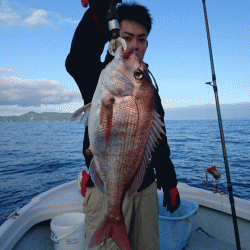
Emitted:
<point x="35" y="39"/>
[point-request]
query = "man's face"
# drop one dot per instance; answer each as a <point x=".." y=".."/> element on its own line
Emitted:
<point x="134" y="34"/>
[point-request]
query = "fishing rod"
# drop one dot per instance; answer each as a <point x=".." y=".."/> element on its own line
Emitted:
<point x="231" y="198"/>
<point x="114" y="26"/>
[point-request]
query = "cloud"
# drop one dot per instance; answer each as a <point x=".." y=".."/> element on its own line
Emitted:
<point x="9" y="16"/>
<point x="21" y="16"/>
<point x="38" y="17"/>
<point x="61" y="20"/>
<point x="9" y="72"/>
<point x="34" y="92"/>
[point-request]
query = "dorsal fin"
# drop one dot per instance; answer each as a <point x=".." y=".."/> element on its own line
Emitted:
<point x="154" y="135"/>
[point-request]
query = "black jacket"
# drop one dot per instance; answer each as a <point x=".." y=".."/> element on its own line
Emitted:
<point x="84" y="64"/>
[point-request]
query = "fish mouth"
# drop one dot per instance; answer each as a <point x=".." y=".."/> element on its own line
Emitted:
<point x="132" y="57"/>
<point x="129" y="52"/>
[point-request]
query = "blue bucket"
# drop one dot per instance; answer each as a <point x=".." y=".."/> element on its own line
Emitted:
<point x="175" y="228"/>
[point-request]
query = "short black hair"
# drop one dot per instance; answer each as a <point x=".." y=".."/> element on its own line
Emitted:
<point x="135" y="12"/>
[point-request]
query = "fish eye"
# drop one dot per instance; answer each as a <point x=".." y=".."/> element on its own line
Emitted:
<point x="139" y="75"/>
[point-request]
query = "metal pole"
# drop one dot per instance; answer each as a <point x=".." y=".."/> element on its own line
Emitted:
<point x="231" y="198"/>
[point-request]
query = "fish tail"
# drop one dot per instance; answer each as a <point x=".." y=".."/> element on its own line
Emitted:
<point x="110" y="227"/>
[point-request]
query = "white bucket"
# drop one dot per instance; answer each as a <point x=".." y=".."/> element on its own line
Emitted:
<point x="67" y="231"/>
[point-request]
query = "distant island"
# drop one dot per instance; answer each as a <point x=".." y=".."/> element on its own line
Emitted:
<point x="204" y="112"/>
<point x="209" y="112"/>
<point x="38" y="117"/>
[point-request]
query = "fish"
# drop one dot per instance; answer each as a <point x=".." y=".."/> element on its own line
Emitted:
<point x="124" y="130"/>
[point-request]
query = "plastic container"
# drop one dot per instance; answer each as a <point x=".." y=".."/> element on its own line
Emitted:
<point x="175" y="227"/>
<point x="68" y="231"/>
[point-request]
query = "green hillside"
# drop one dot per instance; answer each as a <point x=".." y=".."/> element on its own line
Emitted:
<point x="38" y="117"/>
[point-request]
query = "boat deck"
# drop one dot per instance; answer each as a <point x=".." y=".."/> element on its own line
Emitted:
<point x="38" y="237"/>
<point x="212" y="227"/>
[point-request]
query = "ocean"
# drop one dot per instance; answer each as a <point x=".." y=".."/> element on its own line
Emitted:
<point x="38" y="156"/>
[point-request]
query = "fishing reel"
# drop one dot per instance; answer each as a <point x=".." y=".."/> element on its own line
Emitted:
<point x="114" y="27"/>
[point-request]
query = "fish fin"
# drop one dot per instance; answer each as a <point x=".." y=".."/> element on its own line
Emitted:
<point x="77" y="113"/>
<point x="106" y="115"/>
<point x="154" y="135"/>
<point x="109" y="227"/>
<point x="138" y="179"/>
<point x="96" y="177"/>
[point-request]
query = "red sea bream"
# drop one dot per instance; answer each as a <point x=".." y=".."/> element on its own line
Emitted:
<point x="123" y="132"/>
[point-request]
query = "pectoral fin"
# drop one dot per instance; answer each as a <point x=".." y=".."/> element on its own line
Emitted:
<point x="85" y="109"/>
<point x="96" y="177"/>
<point x="106" y="115"/>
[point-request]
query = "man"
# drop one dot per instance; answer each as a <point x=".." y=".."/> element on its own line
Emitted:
<point x="84" y="65"/>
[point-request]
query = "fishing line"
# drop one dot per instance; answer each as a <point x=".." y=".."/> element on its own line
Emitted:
<point x="211" y="143"/>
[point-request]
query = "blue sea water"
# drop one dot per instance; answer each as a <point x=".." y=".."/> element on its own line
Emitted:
<point x="35" y="157"/>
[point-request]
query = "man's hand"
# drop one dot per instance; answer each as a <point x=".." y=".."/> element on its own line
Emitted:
<point x="85" y="3"/>
<point x="98" y="9"/>
<point x="85" y="178"/>
<point x="171" y="199"/>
